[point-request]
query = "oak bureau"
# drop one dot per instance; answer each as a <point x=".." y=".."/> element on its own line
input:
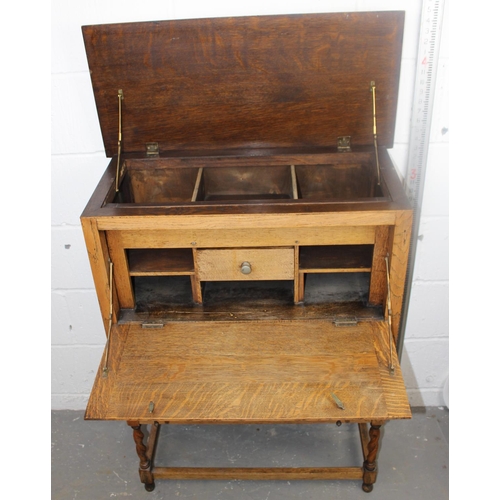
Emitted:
<point x="249" y="238"/>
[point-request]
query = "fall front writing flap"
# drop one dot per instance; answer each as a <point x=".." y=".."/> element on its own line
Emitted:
<point x="249" y="371"/>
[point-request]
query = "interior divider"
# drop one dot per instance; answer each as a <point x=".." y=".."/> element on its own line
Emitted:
<point x="294" y="183"/>
<point x="197" y="185"/>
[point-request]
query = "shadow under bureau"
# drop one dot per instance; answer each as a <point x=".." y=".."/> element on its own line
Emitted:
<point x="249" y="238"/>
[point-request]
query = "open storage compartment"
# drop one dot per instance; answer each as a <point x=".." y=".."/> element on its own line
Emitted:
<point x="341" y="181"/>
<point x="145" y="183"/>
<point x="160" y="261"/>
<point x="157" y="182"/>
<point x="239" y="183"/>
<point x="167" y="277"/>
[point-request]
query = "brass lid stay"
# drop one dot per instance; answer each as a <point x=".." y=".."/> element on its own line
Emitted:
<point x="372" y="88"/>
<point x="389" y="314"/>
<point x="120" y="99"/>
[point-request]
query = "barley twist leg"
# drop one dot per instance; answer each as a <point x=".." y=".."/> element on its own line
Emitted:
<point x="370" y="464"/>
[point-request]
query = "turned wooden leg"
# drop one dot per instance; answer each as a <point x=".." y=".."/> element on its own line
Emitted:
<point x="140" y="447"/>
<point x="144" y="462"/>
<point x="370" y="463"/>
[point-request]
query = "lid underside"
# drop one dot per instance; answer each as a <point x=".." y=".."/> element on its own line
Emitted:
<point x="247" y="82"/>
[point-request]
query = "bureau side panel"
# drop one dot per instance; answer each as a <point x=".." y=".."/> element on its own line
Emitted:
<point x="98" y="254"/>
<point x="401" y="235"/>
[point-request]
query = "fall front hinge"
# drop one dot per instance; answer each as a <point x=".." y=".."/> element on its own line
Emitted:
<point x="345" y="321"/>
<point x="152" y="325"/>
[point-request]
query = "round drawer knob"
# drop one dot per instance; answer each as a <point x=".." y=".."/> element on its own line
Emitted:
<point x="246" y="268"/>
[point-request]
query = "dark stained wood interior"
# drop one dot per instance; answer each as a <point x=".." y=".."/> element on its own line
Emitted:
<point x="158" y="261"/>
<point x="165" y="182"/>
<point x="335" y="257"/>
<point x="246" y="182"/>
<point x="337" y="182"/>
<point x="158" y="185"/>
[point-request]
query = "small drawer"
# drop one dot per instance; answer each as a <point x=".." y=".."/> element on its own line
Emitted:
<point x="240" y="264"/>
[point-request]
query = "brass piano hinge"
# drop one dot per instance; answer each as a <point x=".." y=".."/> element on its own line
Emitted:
<point x="345" y="321"/>
<point x="110" y="323"/>
<point x="118" y="162"/>
<point x="389" y="314"/>
<point x="372" y="88"/>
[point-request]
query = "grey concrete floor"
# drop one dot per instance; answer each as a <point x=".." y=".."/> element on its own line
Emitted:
<point x="94" y="460"/>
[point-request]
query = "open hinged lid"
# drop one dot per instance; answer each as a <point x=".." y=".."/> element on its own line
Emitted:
<point x="247" y="82"/>
<point x="242" y="371"/>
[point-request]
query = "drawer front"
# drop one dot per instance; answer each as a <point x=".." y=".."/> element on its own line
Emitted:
<point x="240" y="264"/>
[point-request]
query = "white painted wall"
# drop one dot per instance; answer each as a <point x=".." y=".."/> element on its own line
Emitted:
<point x="78" y="162"/>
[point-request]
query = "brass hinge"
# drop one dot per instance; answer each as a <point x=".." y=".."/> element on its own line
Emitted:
<point x="345" y="321"/>
<point x="152" y="149"/>
<point x="344" y="144"/>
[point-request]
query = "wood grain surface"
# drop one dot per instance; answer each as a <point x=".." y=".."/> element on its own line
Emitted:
<point x="265" y="264"/>
<point x="236" y="236"/>
<point x="236" y="372"/>
<point x="262" y="81"/>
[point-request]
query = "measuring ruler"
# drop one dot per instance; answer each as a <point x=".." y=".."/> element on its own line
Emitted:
<point x="423" y="99"/>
